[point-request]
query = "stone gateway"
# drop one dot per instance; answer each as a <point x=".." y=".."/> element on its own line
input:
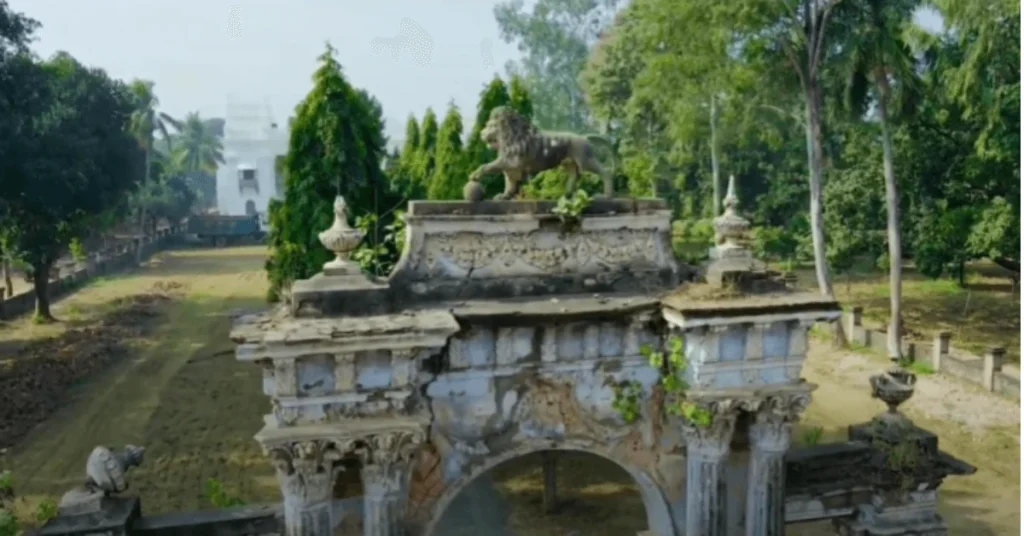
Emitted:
<point x="499" y="334"/>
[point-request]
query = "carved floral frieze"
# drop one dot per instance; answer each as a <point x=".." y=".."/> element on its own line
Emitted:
<point x="541" y="252"/>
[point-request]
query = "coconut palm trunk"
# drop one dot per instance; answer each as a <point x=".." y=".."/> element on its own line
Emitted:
<point x="892" y="202"/>
<point x="815" y="166"/>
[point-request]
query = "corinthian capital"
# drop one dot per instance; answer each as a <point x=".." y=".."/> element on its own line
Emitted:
<point x="305" y="469"/>
<point x="711" y="436"/>
<point x="784" y="407"/>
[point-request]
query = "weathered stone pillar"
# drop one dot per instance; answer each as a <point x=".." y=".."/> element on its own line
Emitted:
<point x="707" y="452"/>
<point x="305" y="470"/>
<point x="388" y="459"/>
<point x="766" y="481"/>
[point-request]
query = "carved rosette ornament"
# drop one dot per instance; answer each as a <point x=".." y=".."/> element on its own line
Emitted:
<point x="306" y="471"/>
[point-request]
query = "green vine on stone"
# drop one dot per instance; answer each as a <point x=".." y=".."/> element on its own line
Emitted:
<point x="672" y="366"/>
<point x="626" y="403"/>
<point x="570" y="210"/>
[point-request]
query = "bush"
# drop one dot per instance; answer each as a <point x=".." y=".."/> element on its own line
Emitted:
<point x="691" y="240"/>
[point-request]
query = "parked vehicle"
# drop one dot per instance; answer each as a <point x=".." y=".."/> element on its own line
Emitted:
<point x="220" y="230"/>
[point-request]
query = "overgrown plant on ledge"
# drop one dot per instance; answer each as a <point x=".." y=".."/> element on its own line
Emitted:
<point x="570" y="209"/>
<point x="672" y="366"/>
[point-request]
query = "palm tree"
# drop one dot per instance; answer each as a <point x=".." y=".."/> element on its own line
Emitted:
<point x="880" y="72"/>
<point x="145" y="122"/>
<point x="198" y="149"/>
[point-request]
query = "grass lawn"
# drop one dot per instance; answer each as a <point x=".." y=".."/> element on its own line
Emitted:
<point x="984" y="314"/>
<point x="183" y="395"/>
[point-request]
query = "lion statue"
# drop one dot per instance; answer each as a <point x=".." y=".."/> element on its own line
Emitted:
<point x="524" y="151"/>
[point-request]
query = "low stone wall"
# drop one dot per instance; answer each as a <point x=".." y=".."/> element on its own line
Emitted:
<point x="69" y="277"/>
<point x="939" y="354"/>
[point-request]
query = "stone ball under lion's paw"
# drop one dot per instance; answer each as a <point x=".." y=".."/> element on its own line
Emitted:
<point x="473" y="192"/>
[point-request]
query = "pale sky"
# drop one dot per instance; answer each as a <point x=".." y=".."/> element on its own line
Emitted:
<point x="198" y="52"/>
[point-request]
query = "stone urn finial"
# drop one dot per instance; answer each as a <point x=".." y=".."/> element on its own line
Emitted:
<point x="340" y="239"/>
<point x="894" y="387"/>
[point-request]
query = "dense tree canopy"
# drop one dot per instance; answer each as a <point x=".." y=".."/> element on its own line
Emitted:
<point x="76" y="158"/>
<point x="650" y="78"/>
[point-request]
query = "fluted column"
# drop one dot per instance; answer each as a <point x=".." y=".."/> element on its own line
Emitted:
<point x="305" y="471"/>
<point x="766" y="481"/>
<point x="707" y="452"/>
<point x="387" y="460"/>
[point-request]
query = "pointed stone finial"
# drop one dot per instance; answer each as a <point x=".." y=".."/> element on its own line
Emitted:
<point x="731" y="202"/>
<point x="730" y="227"/>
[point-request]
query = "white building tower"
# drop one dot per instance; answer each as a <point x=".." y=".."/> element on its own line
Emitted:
<point x="253" y="141"/>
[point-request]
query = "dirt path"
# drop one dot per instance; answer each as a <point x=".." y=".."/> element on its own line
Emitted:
<point x="183" y="396"/>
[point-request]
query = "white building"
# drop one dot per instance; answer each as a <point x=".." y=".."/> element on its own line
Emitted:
<point x="253" y="141"/>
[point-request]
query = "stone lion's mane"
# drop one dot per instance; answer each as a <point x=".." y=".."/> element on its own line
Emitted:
<point x="516" y="134"/>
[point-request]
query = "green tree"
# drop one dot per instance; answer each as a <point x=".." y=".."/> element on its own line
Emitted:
<point x="519" y="97"/>
<point x="450" y="173"/>
<point x="336" y="147"/>
<point x="146" y="122"/>
<point x="404" y="177"/>
<point x="19" y="84"/>
<point x="477" y="152"/>
<point x="76" y="160"/>
<point x="423" y="166"/>
<point x="555" y="37"/>
<point x="877" y="60"/>
<point x="197" y="147"/>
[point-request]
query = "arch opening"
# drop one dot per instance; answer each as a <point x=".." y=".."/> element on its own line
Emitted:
<point x="594" y="495"/>
<point x="250" y="208"/>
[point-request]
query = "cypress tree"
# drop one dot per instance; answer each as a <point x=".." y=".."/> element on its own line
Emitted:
<point x="336" y="146"/>
<point x="519" y="97"/>
<point x="449" y="159"/>
<point x="423" y="169"/>
<point x="477" y="153"/>
<point x="404" y="178"/>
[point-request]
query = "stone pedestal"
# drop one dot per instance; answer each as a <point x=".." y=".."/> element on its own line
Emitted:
<point x="766" y="483"/>
<point x="707" y="452"/>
